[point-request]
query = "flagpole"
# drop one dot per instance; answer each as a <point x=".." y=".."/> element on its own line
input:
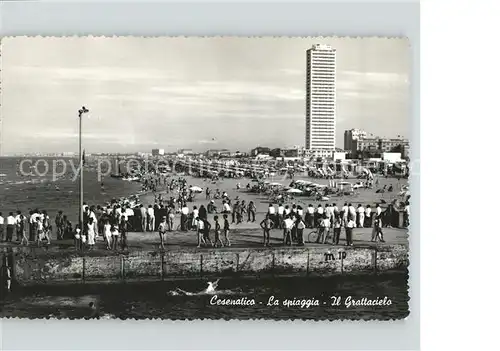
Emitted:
<point x="80" y="153"/>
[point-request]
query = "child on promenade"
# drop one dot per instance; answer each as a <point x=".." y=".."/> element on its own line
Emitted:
<point x="217" y="232"/>
<point x="162" y="232"/>
<point x="226" y="231"/>
<point x="78" y="237"/>
<point x="206" y="231"/>
<point x="201" y="227"/>
<point x="377" y="229"/>
<point x="107" y="234"/>
<point x="115" y="234"/>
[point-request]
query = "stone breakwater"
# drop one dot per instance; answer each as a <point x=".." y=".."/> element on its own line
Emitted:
<point x="63" y="267"/>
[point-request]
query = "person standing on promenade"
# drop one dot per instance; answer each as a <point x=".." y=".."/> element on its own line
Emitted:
<point x="59" y="225"/>
<point x="337" y="227"/>
<point x="151" y="218"/>
<point x="406" y="215"/>
<point x="348" y="230"/>
<point x="345" y="213"/>
<point x="11" y="222"/>
<point x="281" y="216"/>
<point x="272" y="213"/>
<point x="287" y="235"/>
<point x="318" y="215"/>
<point x="91" y="233"/>
<point x="300" y="225"/>
<point x="335" y="209"/>
<point x="266" y="225"/>
<point x="217" y="233"/>
<point x="310" y="216"/>
<point x="200" y="226"/>
<point x="361" y="216"/>
<point x="2" y="225"/>
<point x="195" y="215"/>
<point x="251" y="209"/>
<point x="226" y="230"/>
<point x="236" y="210"/>
<point x="300" y="211"/>
<point x="162" y="232"/>
<point x="184" y="217"/>
<point x="123" y="227"/>
<point x="329" y="212"/>
<point x="368" y="217"/>
<point x="144" y="218"/>
<point x="378" y="211"/>
<point x="352" y="213"/>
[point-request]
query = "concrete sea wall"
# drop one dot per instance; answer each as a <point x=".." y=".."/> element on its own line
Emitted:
<point x="29" y="269"/>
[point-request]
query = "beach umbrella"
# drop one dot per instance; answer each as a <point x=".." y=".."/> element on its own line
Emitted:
<point x="294" y="191"/>
<point x="196" y="188"/>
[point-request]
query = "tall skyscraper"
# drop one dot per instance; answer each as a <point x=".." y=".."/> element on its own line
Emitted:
<point x="320" y="98"/>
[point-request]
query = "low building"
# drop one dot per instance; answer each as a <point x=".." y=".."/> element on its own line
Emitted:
<point x="391" y="157"/>
<point x="158" y="152"/>
<point x="218" y="153"/>
<point x="185" y="152"/>
<point x="260" y="150"/>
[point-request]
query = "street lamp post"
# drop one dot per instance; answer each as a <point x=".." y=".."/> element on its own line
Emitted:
<point x="80" y="153"/>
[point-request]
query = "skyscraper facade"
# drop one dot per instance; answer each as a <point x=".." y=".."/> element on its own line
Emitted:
<point x="320" y="98"/>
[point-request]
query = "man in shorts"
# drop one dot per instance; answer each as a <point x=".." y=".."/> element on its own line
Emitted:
<point x="162" y="232"/>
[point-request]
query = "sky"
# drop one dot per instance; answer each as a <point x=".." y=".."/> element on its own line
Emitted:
<point x="198" y="93"/>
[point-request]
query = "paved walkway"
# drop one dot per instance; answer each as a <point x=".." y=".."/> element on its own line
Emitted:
<point x="245" y="237"/>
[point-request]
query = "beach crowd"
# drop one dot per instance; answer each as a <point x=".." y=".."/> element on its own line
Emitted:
<point x="172" y="212"/>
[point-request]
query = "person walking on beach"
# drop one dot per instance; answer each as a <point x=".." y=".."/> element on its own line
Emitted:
<point x="226" y="230"/>
<point x="144" y="218"/>
<point x="266" y="225"/>
<point x="162" y="232"/>
<point x="217" y="240"/>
